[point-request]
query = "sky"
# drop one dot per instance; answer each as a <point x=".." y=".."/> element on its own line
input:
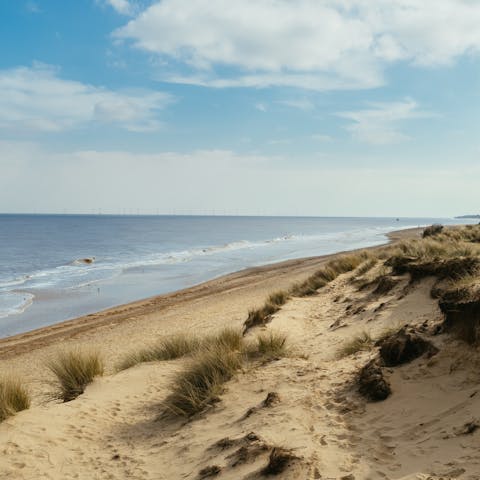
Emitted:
<point x="255" y="107"/>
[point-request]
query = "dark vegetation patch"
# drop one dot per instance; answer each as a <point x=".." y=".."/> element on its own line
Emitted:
<point x="271" y="399"/>
<point x="247" y="453"/>
<point x="385" y="284"/>
<point x="462" y="318"/>
<point x="403" y="347"/>
<point x="469" y="428"/>
<point x="372" y="383"/>
<point x="279" y="460"/>
<point x="432" y="230"/>
<point x="210" y="471"/>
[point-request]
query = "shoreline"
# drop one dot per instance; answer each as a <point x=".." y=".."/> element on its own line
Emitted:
<point x="252" y="282"/>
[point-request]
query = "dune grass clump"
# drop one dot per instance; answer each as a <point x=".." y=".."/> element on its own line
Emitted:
<point x="366" y="266"/>
<point x="229" y="338"/>
<point x="330" y="272"/>
<point x="218" y="358"/>
<point x="432" y="230"/>
<point x="271" y="345"/>
<point x="168" y="348"/>
<point x="180" y="345"/>
<point x="201" y="382"/>
<point x="13" y="397"/>
<point x="360" y="343"/>
<point x="74" y="370"/>
<point x="261" y="316"/>
<point x="445" y="259"/>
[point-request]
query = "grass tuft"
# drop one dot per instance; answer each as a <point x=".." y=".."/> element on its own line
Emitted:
<point x="271" y="345"/>
<point x="366" y="266"/>
<point x="74" y="370"/>
<point x="13" y="397"/>
<point x="201" y="382"/>
<point x="168" y="348"/>
<point x="218" y="358"/>
<point x="229" y="338"/>
<point x="432" y="230"/>
<point x="261" y="316"/>
<point x="359" y="343"/>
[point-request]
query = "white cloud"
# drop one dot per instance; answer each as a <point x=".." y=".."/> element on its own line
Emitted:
<point x="123" y="7"/>
<point x="380" y="124"/>
<point x="37" y="98"/>
<point x="333" y="44"/>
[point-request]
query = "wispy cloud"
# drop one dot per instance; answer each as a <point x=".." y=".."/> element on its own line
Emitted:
<point x="123" y="7"/>
<point x="381" y="123"/>
<point x="302" y="43"/>
<point x="37" y="98"/>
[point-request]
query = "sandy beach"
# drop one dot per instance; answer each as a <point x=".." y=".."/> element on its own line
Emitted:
<point x="113" y="430"/>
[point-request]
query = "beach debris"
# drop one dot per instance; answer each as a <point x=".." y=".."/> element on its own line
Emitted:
<point x="210" y="471"/>
<point x="271" y="399"/>
<point x="226" y="443"/>
<point x="247" y="453"/>
<point x="85" y="261"/>
<point x="469" y="428"/>
<point x="372" y="383"/>
<point x="278" y="461"/>
<point x="403" y="347"/>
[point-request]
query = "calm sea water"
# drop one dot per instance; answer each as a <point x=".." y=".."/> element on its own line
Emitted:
<point x="43" y="279"/>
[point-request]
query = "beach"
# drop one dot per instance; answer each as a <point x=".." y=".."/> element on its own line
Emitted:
<point x="113" y="430"/>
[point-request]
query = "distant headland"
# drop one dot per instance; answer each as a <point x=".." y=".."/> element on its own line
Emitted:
<point x="468" y="216"/>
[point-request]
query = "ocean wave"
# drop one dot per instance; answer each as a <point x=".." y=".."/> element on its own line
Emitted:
<point x="13" y="303"/>
<point x="80" y="273"/>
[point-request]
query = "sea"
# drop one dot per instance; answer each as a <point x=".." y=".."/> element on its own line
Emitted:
<point x="58" y="267"/>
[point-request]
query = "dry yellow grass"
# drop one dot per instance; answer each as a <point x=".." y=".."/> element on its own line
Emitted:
<point x="271" y="345"/>
<point x="74" y="370"/>
<point x="13" y="397"/>
<point x="168" y="348"/>
<point x="201" y="382"/>
<point x="359" y="343"/>
<point x="218" y="358"/>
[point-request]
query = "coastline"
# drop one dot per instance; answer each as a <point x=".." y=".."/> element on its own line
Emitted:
<point x="204" y="306"/>
<point x="302" y="399"/>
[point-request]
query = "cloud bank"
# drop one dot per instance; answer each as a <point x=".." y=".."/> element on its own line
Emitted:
<point x="37" y="99"/>
<point x="328" y="45"/>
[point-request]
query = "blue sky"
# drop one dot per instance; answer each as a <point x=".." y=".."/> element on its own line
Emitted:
<point x="335" y="107"/>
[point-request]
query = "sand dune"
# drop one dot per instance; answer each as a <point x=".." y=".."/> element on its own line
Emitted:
<point x="424" y="430"/>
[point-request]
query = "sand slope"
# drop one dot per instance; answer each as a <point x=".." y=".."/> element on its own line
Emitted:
<point x="420" y="432"/>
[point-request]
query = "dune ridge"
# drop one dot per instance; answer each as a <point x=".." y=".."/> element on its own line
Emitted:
<point x="294" y="416"/>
